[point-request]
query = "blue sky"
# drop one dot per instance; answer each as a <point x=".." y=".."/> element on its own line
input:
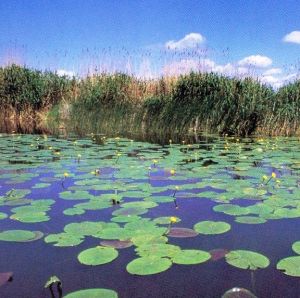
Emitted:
<point x="151" y="38"/>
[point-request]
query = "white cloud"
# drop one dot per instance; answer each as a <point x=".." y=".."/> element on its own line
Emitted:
<point x="256" y="61"/>
<point x="272" y="71"/>
<point x="293" y="37"/>
<point x="63" y="72"/>
<point x="191" y="40"/>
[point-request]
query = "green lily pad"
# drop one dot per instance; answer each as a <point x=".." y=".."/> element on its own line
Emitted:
<point x="3" y="215"/>
<point x="97" y="255"/>
<point x="246" y="259"/>
<point x="212" y="227"/>
<point x="63" y="239"/>
<point x="148" y="265"/>
<point x="250" y="220"/>
<point x="191" y="257"/>
<point x="93" y="293"/>
<point x="17" y="235"/>
<point x="116" y="243"/>
<point x="290" y="266"/>
<point x="296" y="247"/>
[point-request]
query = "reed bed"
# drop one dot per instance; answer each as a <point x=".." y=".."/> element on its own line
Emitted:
<point x="120" y="103"/>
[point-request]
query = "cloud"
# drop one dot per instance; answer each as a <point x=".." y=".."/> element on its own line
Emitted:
<point x="67" y="73"/>
<point x="191" y="40"/>
<point x="293" y="37"/>
<point x="272" y="71"/>
<point x="256" y="61"/>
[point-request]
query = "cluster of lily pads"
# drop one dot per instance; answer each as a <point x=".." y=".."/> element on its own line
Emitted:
<point x="131" y="179"/>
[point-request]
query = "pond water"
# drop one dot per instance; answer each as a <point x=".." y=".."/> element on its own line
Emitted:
<point x="193" y="220"/>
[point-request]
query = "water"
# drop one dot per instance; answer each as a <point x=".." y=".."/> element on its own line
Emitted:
<point x="204" y="173"/>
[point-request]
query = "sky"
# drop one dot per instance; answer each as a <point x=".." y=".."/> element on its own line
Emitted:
<point x="153" y="38"/>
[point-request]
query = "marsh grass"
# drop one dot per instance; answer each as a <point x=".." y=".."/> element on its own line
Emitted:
<point x="122" y="104"/>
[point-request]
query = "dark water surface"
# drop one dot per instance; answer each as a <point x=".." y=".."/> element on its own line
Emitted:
<point x="216" y="165"/>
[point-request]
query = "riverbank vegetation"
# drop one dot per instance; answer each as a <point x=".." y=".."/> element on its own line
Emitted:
<point x="35" y="101"/>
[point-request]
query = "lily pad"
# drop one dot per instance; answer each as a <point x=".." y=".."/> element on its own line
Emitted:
<point x="181" y="233"/>
<point x="212" y="227"/>
<point x="17" y="235"/>
<point x="93" y="293"/>
<point x="148" y="265"/>
<point x="191" y="257"/>
<point x="290" y="266"/>
<point x="250" y="220"/>
<point x="246" y="259"/>
<point x="116" y="243"/>
<point x="296" y="247"/>
<point x="97" y="255"/>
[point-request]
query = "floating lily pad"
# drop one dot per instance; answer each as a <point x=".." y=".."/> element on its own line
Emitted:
<point x="212" y="227"/>
<point x="97" y="255"/>
<point x="191" y="257"/>
<point x="290" y="266"/>
<point x="130" y="211"/>
<point x="165" y="220"/>
<point x="250" y="220"/>
<point x="148" y="265"/>
<point x="181" y="233"/>
<point x="17" y="235"/>
<point x="246" y="259"/>
<point x="157" y="250"/>
<point x="296" y="247"/>
<point x="63" y="239"/>
<point x="93" y="293"/>
<point x="218" y="253"/>
<point x="116" y="243"/>
<point x="3" y="215"/>
<point x="5" y="277"/>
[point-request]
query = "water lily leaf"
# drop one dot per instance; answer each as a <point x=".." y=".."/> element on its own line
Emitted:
<point x="246" y="259"/>
<point x="212" y="227"/>
<point x="231" y="209"/>
<point x="130" y="211"/>
<point x="165" y="220"/>
<point x="3" y="215"/>
<point x="191" y="257"/>
<point x="148" y="265"/>
<point x="116" y="243"/>
<point x="250" y="220"/>
<point x="157" y="250"/>
<point x="148" y="239"/>
<point x="290" y="266"/>
<point x="140" y="204"/>
<point x="296" y="247"/>
<point x="181" y="233"/>
<point x="97" y="255"/>
<point x="5" y="277"/>
<point x="63" y="239"/>
<point x="93" y="293"/>
<point x="124" y="218"/>
<point x="73" y="211"/>
<point x="218" y="253"/>
<point x="17" y="235"/>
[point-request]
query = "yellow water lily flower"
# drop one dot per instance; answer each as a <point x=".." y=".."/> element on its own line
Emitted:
<point x="264" y="177"/>
<point x="273" y="175"/>
<point x="173" y="219"/>
<point x="177" y="187"/>
<point x="172" y="172"/>
<point x="66" y="174"/>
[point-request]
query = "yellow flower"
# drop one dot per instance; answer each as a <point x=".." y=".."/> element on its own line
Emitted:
<point x="66" y="174"/>
<point x="277" y="181"/>
<point x="155" y="161"/>
<point x="172" y="172"/>
<point x="264" y="177"/>
<point x="173" y="219"/>
<point x="78" y="155"/>
<point x="177" y="187"/>
<point x="273" y="175"/>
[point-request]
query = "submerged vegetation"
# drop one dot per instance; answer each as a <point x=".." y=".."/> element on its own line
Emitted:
<point x="36" y="101"/>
